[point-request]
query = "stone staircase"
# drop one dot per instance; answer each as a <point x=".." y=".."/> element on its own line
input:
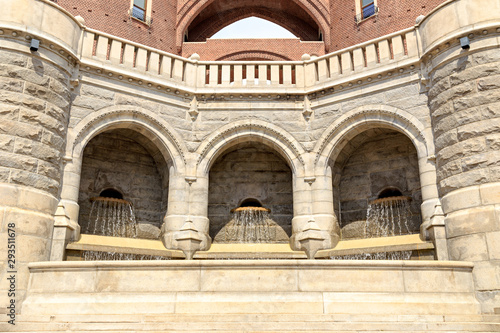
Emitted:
<point x="255" y="323"/>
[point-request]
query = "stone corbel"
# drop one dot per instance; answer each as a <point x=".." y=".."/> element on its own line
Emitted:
<point x="311" y="239"/>
<point x="310" y="180"/>
<point x="193" y="109"/>
<point x="188" y="239"/>
<point x="64" y="232"/>
<point x="307" y="113"/>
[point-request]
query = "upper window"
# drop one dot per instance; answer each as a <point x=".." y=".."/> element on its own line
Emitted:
<point x="141" y="10"/>
<point x="365" y="9"/>
<point x="368" y="8"/>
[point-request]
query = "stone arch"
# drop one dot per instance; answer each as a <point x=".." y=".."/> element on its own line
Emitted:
<point x="314" y="10"/>
<point x="255" y="130"/>
<point x="162" y="135"/>
<point x="338" y="134"/>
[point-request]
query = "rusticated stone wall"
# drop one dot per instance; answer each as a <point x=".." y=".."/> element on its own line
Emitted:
<point x="465" y="106"/>
<point x="115" y="160"/>
<point x="251" y="171"/>
<point x="34" y="108"/>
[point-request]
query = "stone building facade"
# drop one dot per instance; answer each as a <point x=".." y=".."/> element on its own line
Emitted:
<point x="315" y="140"/>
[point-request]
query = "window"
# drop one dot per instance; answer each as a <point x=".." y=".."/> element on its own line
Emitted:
<point x="368" y="8"/>
<point x="365" y="9"/>
<point x="139" y="10"/>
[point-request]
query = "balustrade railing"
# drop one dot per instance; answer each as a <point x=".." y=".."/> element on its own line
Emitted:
<point x="124" y="55"/>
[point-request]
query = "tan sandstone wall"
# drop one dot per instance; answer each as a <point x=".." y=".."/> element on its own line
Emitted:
<point x="465" y="108"/>
<point x="33" y="123"/>
<point x="463" y="98"/>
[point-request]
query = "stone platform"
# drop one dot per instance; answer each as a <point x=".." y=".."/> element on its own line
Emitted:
<point x="252" y="295"/>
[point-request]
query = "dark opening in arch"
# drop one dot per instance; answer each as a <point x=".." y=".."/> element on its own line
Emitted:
<point x="390" y="192"/>
<point x="250" y="202"/>
<point x="111" y="193"/>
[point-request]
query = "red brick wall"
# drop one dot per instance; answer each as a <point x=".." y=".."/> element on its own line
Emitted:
<point x="393" y="15"/>
<point x="253" y="49"/>
<point x="111" y="16"/>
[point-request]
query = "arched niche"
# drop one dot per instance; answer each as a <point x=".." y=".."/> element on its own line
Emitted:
<point x="376" y="163"/>
<point x="250" y="173"/>
<point x="122" y="163"/>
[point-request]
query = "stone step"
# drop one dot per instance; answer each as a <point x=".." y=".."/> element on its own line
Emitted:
<point x="179" y="317"/>
<point x="255" y="326"/>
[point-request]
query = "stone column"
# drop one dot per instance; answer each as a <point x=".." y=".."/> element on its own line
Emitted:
<point x="464" y="100"/>
<point x="314" y="213"/>
<point x="188" y="203"/>
<point x="433" y="227"/>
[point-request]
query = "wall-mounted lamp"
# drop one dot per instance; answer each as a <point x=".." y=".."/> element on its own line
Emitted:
<point x="465" y="43"/>
<point x="35" y="44"/>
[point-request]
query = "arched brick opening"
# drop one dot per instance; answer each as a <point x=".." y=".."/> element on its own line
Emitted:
<point x="199" y="20"/>
<point x="253" y="55"/>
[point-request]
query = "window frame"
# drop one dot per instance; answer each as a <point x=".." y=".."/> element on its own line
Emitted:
<point x="146" y="11"/>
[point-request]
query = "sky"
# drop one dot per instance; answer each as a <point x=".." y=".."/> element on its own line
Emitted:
<point x="253" y="27"/>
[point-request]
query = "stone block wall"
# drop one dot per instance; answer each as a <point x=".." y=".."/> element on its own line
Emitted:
<point x="373" y="161"/>
<point x="34" y="113"/>
<point x="115" y="160"/>
<point x="251" y="171"/>
<point x="464" y="100"/>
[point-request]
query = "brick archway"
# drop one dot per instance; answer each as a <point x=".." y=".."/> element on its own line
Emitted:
<point x="203" y="18"/>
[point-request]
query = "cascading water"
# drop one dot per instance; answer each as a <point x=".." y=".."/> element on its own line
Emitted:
<point x="249" y="225"/>
<point x="385" y="217"/>
<point x="388" y="217"/>
<point x="111" y="217"/>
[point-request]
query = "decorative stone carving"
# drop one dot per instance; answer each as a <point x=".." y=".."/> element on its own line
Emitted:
<point x="193" y="109"/>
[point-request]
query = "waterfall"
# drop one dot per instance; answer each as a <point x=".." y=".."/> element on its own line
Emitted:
<point x="388" y="217"/>
<point x="249" y="225"/>
<point x="385" y="217"/>
<point x="111" y="217"/>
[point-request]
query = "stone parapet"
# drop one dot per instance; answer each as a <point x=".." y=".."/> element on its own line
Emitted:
<point x="237" y="286"/>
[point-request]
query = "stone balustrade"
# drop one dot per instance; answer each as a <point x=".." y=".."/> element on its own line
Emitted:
<point x="121" y="56"/>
